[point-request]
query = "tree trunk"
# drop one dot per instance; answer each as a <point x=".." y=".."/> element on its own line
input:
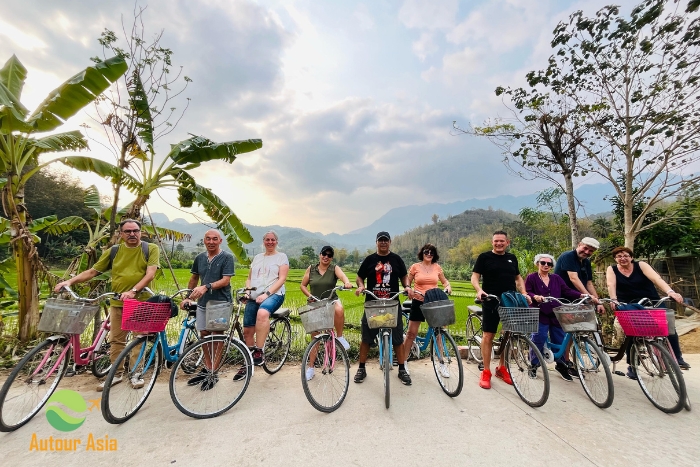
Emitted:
<point x="630" y="234"/>
<point x="571" y="204"/>
<point x="27" y="285"/>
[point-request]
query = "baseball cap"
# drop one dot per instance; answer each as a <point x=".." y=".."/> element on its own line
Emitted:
<point x="383" y="235"/>
<point x="327" y="248"/>
<point x="592" y="242"/>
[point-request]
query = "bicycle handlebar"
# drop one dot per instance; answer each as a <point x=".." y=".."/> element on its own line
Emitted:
<point x="579" y="301"/>
<point x="86" y="299"/>
<point x="488" y="297"/>
<point x="365" y="291"/>
<point x="645" y="302"/>
<point x="339" y="287"/>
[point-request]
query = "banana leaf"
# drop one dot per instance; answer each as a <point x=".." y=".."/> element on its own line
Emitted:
<point x="104" y="169"/>
<point x="12" y="76"/>
<point x="197" y="149"/>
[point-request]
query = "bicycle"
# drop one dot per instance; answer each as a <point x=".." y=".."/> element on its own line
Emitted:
<point x="443" y="350"/>
<point x="35" y="378"/>
<point x="325" y="355"/>
<point x="517" y="324"/>
<point x="141" y="360"/>
<point x="579" y="323"/>
<point x="225" y="354"/>
<point x="650" y="356"/>
<point x="474" y="334"/>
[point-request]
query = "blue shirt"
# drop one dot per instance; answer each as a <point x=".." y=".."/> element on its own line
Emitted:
<point x="569" y="261"/>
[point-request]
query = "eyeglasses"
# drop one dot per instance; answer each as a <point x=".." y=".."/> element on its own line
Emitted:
<point x="383" y="240"/>
<point x="546" y="263"/>
<point x="623" y="256"/>
<point x="131" y="231"/>
<point x="326" y="253"/>
<point x="428" y="253"/>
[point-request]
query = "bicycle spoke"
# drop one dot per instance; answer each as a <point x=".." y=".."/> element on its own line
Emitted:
<point x="327" y="389"/>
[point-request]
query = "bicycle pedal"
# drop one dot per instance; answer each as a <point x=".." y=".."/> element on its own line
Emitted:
<point x="619" y="373"/>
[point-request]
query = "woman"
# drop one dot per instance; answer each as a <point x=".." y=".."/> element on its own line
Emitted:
<point x="630" y="281"/>
<point x="426" y="275"/>
<point x="542" y="284"/>
<point x="320" y="279"/>
<point x="267" y="274"/>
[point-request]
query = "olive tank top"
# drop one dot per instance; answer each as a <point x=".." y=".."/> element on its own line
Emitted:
<point x="320" y="284"/>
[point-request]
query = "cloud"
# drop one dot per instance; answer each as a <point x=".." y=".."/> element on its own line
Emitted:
<point x="364" y="17"/>
<point x="425" y="45"/>
<point x="420" y="14"/>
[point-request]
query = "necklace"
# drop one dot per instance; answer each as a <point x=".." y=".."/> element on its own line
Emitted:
<point x="544" y="278"/>
<point x="427" y="270"/>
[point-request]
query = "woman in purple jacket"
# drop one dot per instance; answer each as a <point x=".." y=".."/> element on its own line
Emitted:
<point x="542" y="284"/>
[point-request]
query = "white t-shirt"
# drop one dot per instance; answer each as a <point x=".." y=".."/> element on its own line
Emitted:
<point x="265" y="270"/>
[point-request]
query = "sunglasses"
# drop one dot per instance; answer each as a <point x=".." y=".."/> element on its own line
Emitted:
<point x="131" y="231"/>
<point x="428" y="252"/>
<point x="546" y="263"/>
<point x="325" y="253"/>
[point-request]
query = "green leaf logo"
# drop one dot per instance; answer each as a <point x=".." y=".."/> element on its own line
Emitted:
<point x="57" y="417"/>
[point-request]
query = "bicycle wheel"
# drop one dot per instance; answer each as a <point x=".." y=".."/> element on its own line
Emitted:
<point x="193" y="360"/>
<point x="474" y="335"/>
<point x="31" y="383"/>
<point x="219" y="390"/>
<point x="386" y="366"/>
<point x="446" y="363"/>
<point x="136" y="370"/>
<point x="277" y="345"/>
<point x="658" y="375"/>
<point x="327" y="389"/>
<point x="100" y="358"/>
<point x="594" y="372"/>
<point x="530" y="382"/>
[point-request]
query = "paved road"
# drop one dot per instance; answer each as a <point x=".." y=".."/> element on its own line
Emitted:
<point x="275" y="425"/>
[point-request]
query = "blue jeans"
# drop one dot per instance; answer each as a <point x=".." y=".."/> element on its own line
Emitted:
<point x="556" y="336"/>
<point x="270" y="304"/>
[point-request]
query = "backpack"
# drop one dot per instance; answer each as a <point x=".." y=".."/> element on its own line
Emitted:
<point x="513" y="299"/>
<point x="165" y="299"/>
<point x="434" y="295"/>
<point x="113" y="252"/>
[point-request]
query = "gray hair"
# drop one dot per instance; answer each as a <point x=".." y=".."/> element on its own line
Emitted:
<point x="539" y="256"/>
<point x="274" y="234"/>
<point x="218" y="232"/>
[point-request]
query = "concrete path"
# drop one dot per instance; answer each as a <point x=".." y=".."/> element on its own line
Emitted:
<point x="274" y="425"/>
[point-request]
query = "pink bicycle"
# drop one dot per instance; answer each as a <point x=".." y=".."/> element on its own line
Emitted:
<point x="37" y="375"/>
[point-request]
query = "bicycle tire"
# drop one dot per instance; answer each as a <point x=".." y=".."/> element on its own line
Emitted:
<point x="474" y="337"/>
<point x="386" y="356"/>
<point x="223" y="391"/>
<point x="327" y="389"/>
<point x="277" y="345"/>
<point x="592" y="366"/>
<point x="449" y="357"/>
<point x="24" y="392"/>
<point x="520" y="350"/>
<point x="659" y="376"/>
<point x="100" y="358"/>
<point x="121" y="401"/>
<point x="190" y="365"/>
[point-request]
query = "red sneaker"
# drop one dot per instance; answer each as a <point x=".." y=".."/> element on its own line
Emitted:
<point x="502" y="373"/>
<point x="485" y="381"/>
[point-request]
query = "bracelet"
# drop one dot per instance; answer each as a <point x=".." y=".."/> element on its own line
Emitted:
<point x="670" y="291"/>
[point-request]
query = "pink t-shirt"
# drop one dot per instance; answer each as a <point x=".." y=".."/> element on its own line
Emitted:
<point x="424" y="281"/>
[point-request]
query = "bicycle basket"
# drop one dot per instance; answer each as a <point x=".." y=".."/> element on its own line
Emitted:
<point x="519" y="319"/>
<point x="643" y="323"/>
<point x="66" y="316"/>
<point x="145" y="316"/>
<point x="439" y="313"/>
<point x="382" y="313"/>
<point x="317" y="316"/>
<point x="217" y="316"/>
<point x="671" y="320"/>
<point x="575" y="318"/>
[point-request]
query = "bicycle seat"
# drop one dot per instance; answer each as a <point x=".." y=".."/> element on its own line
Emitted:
<point x="476" y="309"/>
<point x="281" y="313"/>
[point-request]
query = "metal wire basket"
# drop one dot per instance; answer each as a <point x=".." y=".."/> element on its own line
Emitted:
<point x="643" y="323"/>
<point x="217" y="316"/>
<point x="145" y="316"/>
<point x="439" y="313"/>
<point x="317" y="316"/>
<point x="382" y="313"/>
<point x="66" y="316"/>
<point x="575" y="318"/>
<point x="520" y="320"/>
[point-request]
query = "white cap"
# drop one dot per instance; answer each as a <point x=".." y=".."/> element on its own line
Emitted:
<point x="590" y="241"/>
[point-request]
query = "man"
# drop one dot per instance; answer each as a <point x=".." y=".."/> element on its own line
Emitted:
<point x="575" y="268"/>
<point x="132" y="270"/>
<point x="382" y="287"/>
<point x="212" y="270"/>
<point x="500" y="273"/>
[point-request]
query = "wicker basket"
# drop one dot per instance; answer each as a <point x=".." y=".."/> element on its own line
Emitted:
<point x="439" y="313"/>
<point x="317" y="316"/>
<point x="576" y="318"/>
<point x="66" y="316"/>
<point x="217" y="315"/>
<point x="145" y="316"/>
<point x="643" y="323"/>
<point x="520" y="320"/>
<point x="382" y="313"/>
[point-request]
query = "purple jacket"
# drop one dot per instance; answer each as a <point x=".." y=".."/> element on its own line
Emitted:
<point x="557" y="288"/>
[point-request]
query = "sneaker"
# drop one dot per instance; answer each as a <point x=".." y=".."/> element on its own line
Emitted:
<point x="360" y="375"/>
<point x="631" y="373"/>
<point x="405" y="377"/>
<point x="532" y="371"/>
<point x="209" y="382"/>
<point x="503" y="374"/>
<point x="242" y="372"/>
<point x="115" y="380"/>
<point x="444" y="371"/>
<point x="563" y="371"/>
<point x="344" y="342"/>
<point x="136" y="381"/>
<point x="198" y="378"/>
<point x="405" y="366"/>
<point x="258" y="357"/>
<point x="683" y="364"/>
<point x="573" y="371"/>
<point x="485" y="381"/>
<point x="310" y="373"/>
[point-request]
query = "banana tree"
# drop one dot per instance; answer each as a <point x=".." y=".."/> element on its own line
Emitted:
<point x="172" y="172"/>
<point x="19" y="158"/>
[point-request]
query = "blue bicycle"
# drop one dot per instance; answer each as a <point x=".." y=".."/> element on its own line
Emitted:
<point x="134" y="373"/>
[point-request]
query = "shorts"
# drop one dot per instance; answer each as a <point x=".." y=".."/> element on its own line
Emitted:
<point x="490" y="319"/>
<point x="416" y="313"/>
<point x="270" y="304"/>
<point x="368" y="335"/>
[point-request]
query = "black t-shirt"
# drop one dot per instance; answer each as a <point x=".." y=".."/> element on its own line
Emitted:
<point x="382" y="274"/>
<point x="498" y="272"/>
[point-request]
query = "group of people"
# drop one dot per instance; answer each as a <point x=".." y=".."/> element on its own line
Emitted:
<point x="133" y="264"/>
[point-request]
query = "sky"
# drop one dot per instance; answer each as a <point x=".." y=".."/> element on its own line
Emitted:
<point x="354" y="100"/>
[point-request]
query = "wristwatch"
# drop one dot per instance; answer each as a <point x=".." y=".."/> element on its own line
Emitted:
<point x="209" y="287"/>
<point x="135" y="290"/>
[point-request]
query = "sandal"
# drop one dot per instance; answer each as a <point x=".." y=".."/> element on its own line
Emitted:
<point x="360" y="375"/>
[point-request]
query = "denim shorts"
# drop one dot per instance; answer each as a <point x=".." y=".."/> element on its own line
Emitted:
<point x="270" y="304"/>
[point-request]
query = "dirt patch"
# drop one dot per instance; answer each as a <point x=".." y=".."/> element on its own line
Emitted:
<point x="690" y="342"/>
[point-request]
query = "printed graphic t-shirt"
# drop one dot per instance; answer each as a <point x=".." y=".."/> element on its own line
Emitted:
<point x="265" y="270"/>
<point x="498" y="272"/>
<point x="382" y="274"/>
